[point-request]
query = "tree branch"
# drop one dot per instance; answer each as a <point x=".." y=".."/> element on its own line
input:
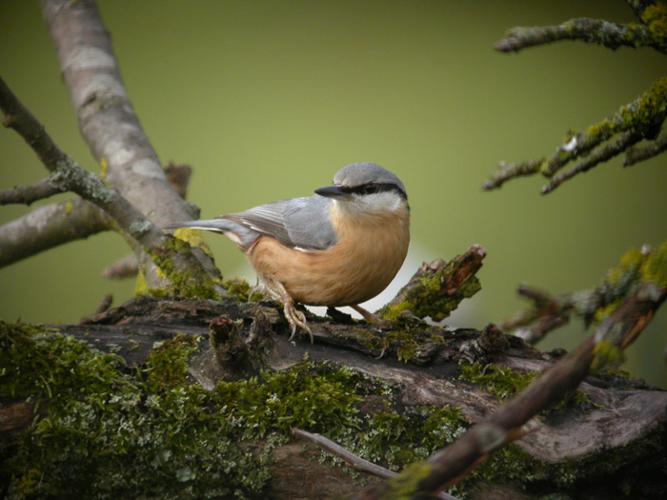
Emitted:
<point x="107" y="119"/>
<point x="49" y="226"/>
<point x="350" y="458"/>
<point x="422" y="480"/>
<point x="643" y="152"/>
<point x="640" y="119"/>
<point x="126" y="267"/>
<point x="550" y="312"/>
<point x="601" y="32"/>
<point x="599" y="155"/>
<point x="27" y="195"/>
<point x="174" y="257"/>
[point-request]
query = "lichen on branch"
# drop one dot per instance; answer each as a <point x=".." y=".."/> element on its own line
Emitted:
<point x="436" y="289"/>
<point x="639" y="120"/>
<point x="643" y="270"/>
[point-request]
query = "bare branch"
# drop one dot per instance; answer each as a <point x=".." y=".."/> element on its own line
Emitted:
<point x="598" y="31"/>
<point x="111" y="128"/>
<point x="127" y="267"/>
<point x="49" y="226"/>
<point x="67" y="175"/>
<point x="601" y="154"/>
<point x="27" y="195"/>
<point x="643" y="152"/>
<point x="507" y="171"/>
<point x="176" y="258"/>
<point x="107" y="119"/>
<point x="356" y="462"/>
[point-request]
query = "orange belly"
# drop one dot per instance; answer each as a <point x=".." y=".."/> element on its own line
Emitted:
<point x="361" y="265"/>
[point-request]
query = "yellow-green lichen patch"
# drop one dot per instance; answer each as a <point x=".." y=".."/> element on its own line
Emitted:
<point x="187" y="283"/>
<point x="655" y="18"/>
<point x="104" y="169"/>
<point x="606" y="356"/>
<point x="193" y="238"/>
<point x="654" y="267"/>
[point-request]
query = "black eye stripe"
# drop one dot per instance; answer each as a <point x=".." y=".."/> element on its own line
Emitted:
<point x="374" y="188"/>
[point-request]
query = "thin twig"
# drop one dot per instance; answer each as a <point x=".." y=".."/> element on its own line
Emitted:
<point x="127" y="267"/>
<point x="643" y="152"/>
<point x="26" y="195"/>
<point x="507" y="171"/>
<point x="355" y="461"/>
<point x="601" y="154"/>
<point x="347" y="456"/>
<point x="598" y="31"/>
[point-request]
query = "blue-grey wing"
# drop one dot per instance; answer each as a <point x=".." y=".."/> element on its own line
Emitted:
<point x="299" y="222"/>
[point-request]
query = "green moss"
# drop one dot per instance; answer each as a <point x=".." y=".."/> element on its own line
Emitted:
<point x="427" y="298"/>
<point x="503" y="383"/>
<point x="110" y="432"/>
<point x="167" y="364"/>
<point x="241" y="290"/>
<point x="182" y="284"/>
<point x="409" y="341"/>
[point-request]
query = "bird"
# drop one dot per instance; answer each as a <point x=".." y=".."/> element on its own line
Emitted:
<point x="339" y="247"/>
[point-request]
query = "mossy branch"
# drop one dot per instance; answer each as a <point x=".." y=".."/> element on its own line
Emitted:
<point x="436" y="289"/>
<point x="639" y="120"/>
<point x="597" y="31"/>
<point x="636" y="269"/>
<point x="449" y="465"/>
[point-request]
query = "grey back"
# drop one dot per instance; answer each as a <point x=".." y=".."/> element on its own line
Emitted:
<point x="299" y="222"/>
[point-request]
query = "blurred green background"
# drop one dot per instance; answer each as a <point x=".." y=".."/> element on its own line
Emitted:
<point x="266" y="100"/>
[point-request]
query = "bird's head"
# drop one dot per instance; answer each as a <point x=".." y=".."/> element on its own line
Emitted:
<point x="366" y="188"/>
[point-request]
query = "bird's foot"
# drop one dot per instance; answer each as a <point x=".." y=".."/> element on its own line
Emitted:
<point x="370" y="317"/>
<point x="296" y="319"/>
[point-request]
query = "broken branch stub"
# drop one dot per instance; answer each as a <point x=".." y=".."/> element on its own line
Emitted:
<point x="436" y="289"/>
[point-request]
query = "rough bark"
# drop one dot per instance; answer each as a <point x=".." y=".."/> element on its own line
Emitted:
<point x="619" y="414"/>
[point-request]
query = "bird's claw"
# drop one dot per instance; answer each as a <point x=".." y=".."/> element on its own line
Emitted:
<point x="296" y="319"/>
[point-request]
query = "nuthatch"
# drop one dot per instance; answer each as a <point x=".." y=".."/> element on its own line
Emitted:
<point x="339" y="247"/>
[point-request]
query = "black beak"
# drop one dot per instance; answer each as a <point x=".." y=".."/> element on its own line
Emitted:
<point x="330" y="192"/>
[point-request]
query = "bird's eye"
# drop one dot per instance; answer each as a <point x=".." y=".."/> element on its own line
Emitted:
<point x="369" y="189"/>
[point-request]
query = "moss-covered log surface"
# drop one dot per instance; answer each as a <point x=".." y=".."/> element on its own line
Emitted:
<point x="196" y="399"/>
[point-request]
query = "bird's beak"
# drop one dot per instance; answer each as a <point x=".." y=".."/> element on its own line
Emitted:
<point x="330" y="192"/>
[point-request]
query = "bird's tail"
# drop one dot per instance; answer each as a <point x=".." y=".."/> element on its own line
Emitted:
<point x="216" y="225"/>
<point x="243" y="236"/>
